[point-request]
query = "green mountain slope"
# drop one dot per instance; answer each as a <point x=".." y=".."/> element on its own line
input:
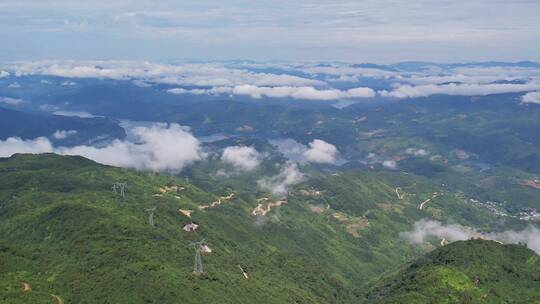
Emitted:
<point x="64" y="232"/>
<point x="474" y="271"/>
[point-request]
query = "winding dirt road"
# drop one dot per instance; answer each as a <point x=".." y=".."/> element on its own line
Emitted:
<point x="399" y="195"/>
<point x="428" y="200"/>
<point x="218" y="202"/>
<point x="57" y="299"/>
<point x="27" y="288"/>
<point x="262" y="210"/>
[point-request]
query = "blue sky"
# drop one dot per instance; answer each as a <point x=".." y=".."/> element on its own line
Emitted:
<point x="358" y="31"/>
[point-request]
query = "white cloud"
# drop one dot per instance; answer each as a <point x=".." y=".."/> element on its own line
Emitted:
<point x="390" y="164"/>
<point x="158" y="147"/>
<point x="279" y="184"/>
<point x="11" y="101"/>
<point x="312" y="93"/>
<point x="48" y="107"/>
<point x="318" y="151"/>
<point x="14" y="85"/>
<point x="290" y="148"/>
<point x="459" y="78"/>
<point x="407" y="91"/>
<point x="529" y="236"/>
<point x="4" y="74"/>
<point x="417" y="152"/>
<point x="348" y="73"/>
<point x="141" y="84"/>
<point x="81" y="114"/>
<point x="531" y="97"/>
<point x="321" y="152"/>
<point x="427" y="74"/>
<point x="236" y="78"/>
<point x="363" y="92"/>
<point x="303" y="92"/>
<point x="14" y="145"/>
<point x="343" y="78"/>
<point x="63" y="134"/>
<point x="425" y="229"/>
<point x="193" y="74"/>
<point x="219" y="90"/>
<point x="241" y="157"/>
<point x="498" y="72"/>
<point x="68" y="83"/>
<point x="212" y="91"/>
<point x="179" y="91"/>
<point x="474" y="75"/>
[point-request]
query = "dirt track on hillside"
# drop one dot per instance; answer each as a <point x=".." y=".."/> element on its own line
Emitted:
<point x="26" y="287"/>
<point x="57" y="299"/>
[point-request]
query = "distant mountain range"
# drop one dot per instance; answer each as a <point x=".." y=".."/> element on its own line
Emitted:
<point x="28" y="125"/>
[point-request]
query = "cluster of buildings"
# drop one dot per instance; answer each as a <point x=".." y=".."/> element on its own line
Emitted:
<point x="533" y="183"/>
<point x="529" y="214"/>
<point x="494" y="207"/>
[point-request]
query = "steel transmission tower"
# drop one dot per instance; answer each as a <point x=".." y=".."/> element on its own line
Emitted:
<point x="119" y="189"/>
<point x="198" y="267"/>
<point x="151" y="215"/>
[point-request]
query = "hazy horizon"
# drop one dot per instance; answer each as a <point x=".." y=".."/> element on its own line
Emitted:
<point x="371" y="31"/>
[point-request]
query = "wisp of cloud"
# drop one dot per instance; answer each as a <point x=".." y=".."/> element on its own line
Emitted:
<point x="426" y="229"/>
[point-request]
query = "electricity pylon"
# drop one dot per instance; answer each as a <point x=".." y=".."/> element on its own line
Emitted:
<point x="119" y="189"/>
<point x="151" y="215"/>
<point x="198" y="267"/>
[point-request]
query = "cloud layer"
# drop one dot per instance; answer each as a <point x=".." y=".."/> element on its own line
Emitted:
<point x="301" y="92"/>
<point x="11" y="101"/>
<point x="304" y="92"/>
<point x="408" y="91"/>
<point x="192" y="74"/>
<point x="290" y="30"/>
<point x="305" y="81"/>
<point x="159" y="147"/>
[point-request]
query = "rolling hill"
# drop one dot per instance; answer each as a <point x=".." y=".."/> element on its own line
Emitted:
<point x="64" y="232"/>
<point x="474" y="271"/>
